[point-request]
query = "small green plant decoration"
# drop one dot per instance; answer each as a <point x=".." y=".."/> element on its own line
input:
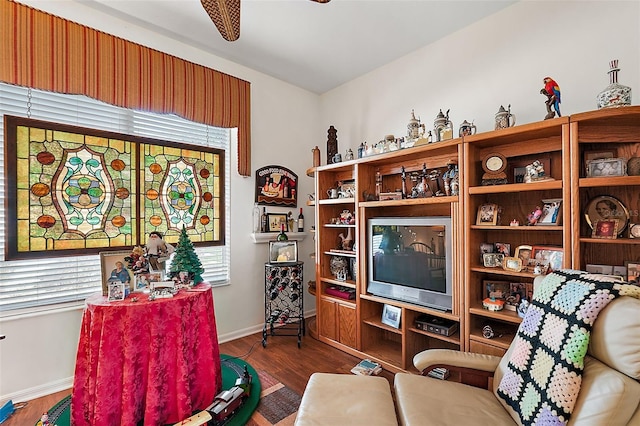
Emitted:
<point x="185" y="259"/>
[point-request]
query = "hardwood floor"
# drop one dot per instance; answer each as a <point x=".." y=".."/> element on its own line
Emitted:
<point x="281" y="359"/>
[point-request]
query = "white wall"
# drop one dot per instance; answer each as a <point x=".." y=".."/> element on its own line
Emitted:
<point x="500" y="60"/>
<point x="283" y="125"/>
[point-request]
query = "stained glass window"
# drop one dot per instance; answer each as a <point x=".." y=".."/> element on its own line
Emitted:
<point x="78" y="190"/>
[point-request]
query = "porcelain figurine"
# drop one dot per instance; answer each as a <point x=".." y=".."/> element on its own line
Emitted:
<point x="552" y="91"/>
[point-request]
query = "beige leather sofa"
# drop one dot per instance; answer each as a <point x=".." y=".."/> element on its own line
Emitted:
<point x="609" y="395"/>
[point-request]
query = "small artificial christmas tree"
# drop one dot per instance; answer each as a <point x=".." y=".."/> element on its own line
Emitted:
<point x="185" y="259"/>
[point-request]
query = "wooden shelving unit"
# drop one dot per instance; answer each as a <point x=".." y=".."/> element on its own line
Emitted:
<point x="561" y="144"/>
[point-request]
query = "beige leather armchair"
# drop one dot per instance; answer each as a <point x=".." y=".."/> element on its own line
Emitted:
<point x="609" y="394"/>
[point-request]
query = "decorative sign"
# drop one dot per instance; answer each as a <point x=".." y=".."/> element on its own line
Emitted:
<point x="77" y="191"/>
<point x="277" y="186"/>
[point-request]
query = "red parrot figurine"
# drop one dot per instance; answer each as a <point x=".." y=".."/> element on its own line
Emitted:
<point x="552" y="91"/>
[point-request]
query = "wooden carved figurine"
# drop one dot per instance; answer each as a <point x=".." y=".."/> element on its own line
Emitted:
<point x="332" y="144"/>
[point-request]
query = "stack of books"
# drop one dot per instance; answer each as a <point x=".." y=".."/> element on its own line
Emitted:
<point x="439" y="373"/>
<point x="366" y="367"/>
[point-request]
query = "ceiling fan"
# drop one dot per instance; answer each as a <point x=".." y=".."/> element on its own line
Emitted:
<point x="225" y="14"/>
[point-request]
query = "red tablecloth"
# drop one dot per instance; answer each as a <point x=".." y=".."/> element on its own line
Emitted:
<point x="156" y="361"/>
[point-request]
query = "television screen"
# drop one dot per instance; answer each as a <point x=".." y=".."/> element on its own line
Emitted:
<point x="410" y="260"/>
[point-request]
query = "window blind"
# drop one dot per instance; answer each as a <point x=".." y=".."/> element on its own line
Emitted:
<point x="35" y="283"/>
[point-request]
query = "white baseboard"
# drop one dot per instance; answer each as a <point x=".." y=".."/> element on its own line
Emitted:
<point x="39" y="391"/>
<point x="237" y="334"/>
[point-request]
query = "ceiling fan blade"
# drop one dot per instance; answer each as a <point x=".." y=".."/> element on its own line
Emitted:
<point x="225" y="14"/>
<point x="321" y="1"/>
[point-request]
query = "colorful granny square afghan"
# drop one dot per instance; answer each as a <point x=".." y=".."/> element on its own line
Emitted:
<point x="544" y="373"/>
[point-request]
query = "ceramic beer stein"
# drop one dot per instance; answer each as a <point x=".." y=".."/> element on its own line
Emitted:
<point x="504" y="118"/>
<point x="467" y="129"/>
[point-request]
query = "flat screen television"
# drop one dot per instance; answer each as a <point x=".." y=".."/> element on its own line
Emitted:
<point x="410" y="259"/>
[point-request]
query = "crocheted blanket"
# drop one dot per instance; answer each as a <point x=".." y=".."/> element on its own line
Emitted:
<point x="544" y="373"/>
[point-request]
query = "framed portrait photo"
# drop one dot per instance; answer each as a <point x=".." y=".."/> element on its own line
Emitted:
<point x="283" y="251"/>
<point x="513" y="264"/>
<point x="606" y="207"/>
<point x="487" y="214"/>
<point x="116" y="291"/>
<point x="114" y="269"/>
<point x="633" y="272"/>
<point x="551" y="212"/>
<point x="607" y="228"/>
<point x="391" y="315"/>
<point x="275" y="221"/>
<point x="523" y="252"/>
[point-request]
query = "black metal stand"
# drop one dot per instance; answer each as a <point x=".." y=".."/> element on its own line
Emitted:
<point x="283" y="301"/>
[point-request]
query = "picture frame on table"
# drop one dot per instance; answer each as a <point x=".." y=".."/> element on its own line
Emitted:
<point x="633" y="272"/>
<point x="498" y="290"/>
<point x="116" y="291"/>
<point x="283" y="251"/>
<point x="391" y="315"/>
<point x="275" y="221"/>
<point x="142" y="282"/>
<point x="551" y="212"/>
<point x="109" y="269"/>
<point x="487" y="214"/>
<point x="549" y="258"/>
<point x="607" y="229"/>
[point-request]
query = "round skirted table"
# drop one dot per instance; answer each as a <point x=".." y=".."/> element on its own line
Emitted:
<point x="155" y="361"/>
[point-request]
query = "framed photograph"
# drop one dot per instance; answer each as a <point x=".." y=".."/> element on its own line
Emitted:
<point x="606" y="167"/>
<point x="142" y="282"/>
<point x="551" y="212"/>
<point x="523" y="252"/>
<point x="275" y="221"/>
<point x="487" y="214"/>
<point x="391" y="315"/>
<point x="116" y="291"/>
<point x="599" y="269"/>
<point x="492" y="260"/>
<point x="283" y="251"/>
<point x="513" y="264"/>
<point x="591" y="155"/>
<point x="605" y="229"/>
<point x="547" y="257"/>
<point x="633" y="272"/>
<point x="504" y="248"/>
<point x="486" y="248"/>
<point x="518" y="174"/>
<point x="114" y="269"/>
<point x="605" y="207"/>
<point x="517" y="293"/>
<point x="498" y="290"/>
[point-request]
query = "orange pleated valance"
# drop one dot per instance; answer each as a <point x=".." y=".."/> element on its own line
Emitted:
<point x="46" y="52"/>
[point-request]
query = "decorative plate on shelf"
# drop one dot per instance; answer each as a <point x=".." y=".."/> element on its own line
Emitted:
<point x="606" y="207"/>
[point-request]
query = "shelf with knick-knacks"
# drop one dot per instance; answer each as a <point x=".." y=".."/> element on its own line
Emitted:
<point x="265" y="237"/>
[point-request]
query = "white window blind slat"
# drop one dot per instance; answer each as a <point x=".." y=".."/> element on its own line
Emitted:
<point x="34" y="283"/>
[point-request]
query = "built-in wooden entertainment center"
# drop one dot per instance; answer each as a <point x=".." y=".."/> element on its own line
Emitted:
<point x="561" y="144"/>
